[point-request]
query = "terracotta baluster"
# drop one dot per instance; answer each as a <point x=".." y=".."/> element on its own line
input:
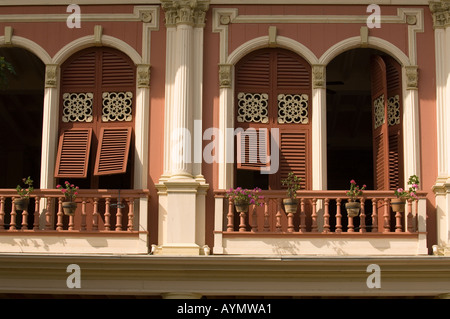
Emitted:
<point x="242" y="225"/>
<point x="350" y="226"/>
<point x="398" y="222"/>
<point x="59" y="215"/>
<point x="411" y="225"/>
<point x="130" y="225"/>
<point x="36" y="213"/>
<point x="12" y="224"/>
<point x="386" y="216"/>
<point x="119" y="216"/>
<point x="2" y="213"/>
<point x="338" y="216"/>
<point x="266" y="215"/>
<point x="48" y="214"/>
<point x="95" y="215"/>
<point x="230" y="216"/>
<point x="374" y="216"/>
<point x="362" y="217"/>
<point x="326" y="216"/>
<point x="302" y="227"/>
<point x="83" y="214"/>
<point x="314" y="227"/>
<point x="290" y="225"/>
<point x="278" y="215"/>
<point x="108" y="214"/>
<point x="25" y="219"/>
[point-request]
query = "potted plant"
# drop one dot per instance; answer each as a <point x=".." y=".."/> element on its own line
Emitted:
<point x="24" y="193"/>
<point x="242" y="198"/>
<point x="398" y="205"/>
<point x="70" y="192"/>
<point x="353" y="207"/>
<point x="293" y="185"/>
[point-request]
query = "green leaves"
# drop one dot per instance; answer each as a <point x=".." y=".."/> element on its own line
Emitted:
<point x="5" y="68"/>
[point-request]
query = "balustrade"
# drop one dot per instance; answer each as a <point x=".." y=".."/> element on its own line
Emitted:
<point x="97" y="210"/>
<point x="323" y="212"/>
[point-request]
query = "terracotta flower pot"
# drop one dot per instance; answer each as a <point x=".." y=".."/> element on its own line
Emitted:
<point x="398" y="205"/>
<point x="241" y="206"/>
<point x="69" y="208"/>
<point x="21" y="203"/>
<point x="352" y="208"/>
<point x="290" y="205"/>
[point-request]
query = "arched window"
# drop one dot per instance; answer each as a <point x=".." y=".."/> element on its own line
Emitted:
<point x="273" y="91"/>
<point x="96" y="119"/>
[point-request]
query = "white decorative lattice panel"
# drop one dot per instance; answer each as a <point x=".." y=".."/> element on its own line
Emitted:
<point x="394" y="110"/>
<point x="293" y="108"/>
<point x="253" y="107"/>
<point x="378" y="107"/>
<point x="77" y="107"/>
<point x="117" y="106"/>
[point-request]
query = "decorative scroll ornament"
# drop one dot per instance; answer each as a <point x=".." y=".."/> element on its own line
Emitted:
<point x="77" y="107"/>
<point x="253" y="107"/>
<point x="378" y="106"/>
<point x="117" y="106"/>
<point x="394" y="110"/>
<point x="190" y="12"/>
<point x="293" y="108"/>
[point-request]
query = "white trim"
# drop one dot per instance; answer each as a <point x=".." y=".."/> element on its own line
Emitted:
<point x="215" y="2"/>
<point x="29" y="45"/>
<point x="263" y="42"/>
<point x="355" y="42"/>
<point x="89" y="41"/>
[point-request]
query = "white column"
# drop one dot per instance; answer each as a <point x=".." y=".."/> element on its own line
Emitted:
<point x="182" y="188"/>
<point x="441" y="18"/>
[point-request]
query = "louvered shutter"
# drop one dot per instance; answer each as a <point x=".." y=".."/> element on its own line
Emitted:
<point x="73" y="153"/>
<point x="379" y="123"/>
<point x="113" y="149"/>
<point x="253" y="149"/>
<point x="394" y="121"/>
<point x="294" y="155"/>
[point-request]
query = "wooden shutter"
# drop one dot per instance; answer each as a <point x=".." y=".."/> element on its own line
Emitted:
<point x="394" y="119"/>
<point x="116" y="70"/>
<point x="113" y="149"/>
<point x="294" y="155"/>
<point x="252" y="149"/>
<point x="80" y="72"/>
<point x="379" y="124"/>
<point x="292" y="73"/>
<point x="73" y="153"/>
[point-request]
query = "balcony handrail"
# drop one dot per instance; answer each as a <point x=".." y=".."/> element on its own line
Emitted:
<point x="89" y="201"/>
<point x="321" y="213"/>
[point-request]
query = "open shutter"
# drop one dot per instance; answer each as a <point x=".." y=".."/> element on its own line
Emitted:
<point x="294" y="155"/>
<point x="113" y="149"/>
<point x="379" y="123"/>
<point x="73" y="153"/>
<point x="253" y="149"/>
<point x="394" y="121"/>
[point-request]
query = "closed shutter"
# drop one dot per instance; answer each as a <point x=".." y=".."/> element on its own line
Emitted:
<point x="252" y="149"/>
<point x="116" y="71"/>
<point x="73" y="153"/>
<point x="113" y="149"/>
<point x="394" y="120"/>
<point x="294" y="155"/>
<point x="81" y="71"/>
<point x="379" y="123"/>
<point x="292" y="74"/>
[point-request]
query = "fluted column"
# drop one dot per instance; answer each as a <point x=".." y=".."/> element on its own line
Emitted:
<point x="182" y="188"/>
<point x="441" y="23"/>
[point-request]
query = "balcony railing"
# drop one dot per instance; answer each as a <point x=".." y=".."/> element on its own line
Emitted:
<point x="98" y="210"/>
<point x="320" y="214"/>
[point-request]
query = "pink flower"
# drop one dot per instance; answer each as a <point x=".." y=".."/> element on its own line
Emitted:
<point x="352" y="181"/>
<point x="64" y="191"/>
<point x="58" y="186"/>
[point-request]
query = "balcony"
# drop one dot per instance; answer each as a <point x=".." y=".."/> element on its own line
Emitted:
<point x="106" y="221"/>
<point x="321" y="226"/>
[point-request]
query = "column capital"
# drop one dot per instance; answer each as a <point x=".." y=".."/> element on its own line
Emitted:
<point x="143" y="74"/>
<point x="318" y="76"/>
<point x="440" y="11"/>
<point x="189" y="12"/>
<point x="412" y="77"/>
<point x="51" y="72"/>
<point x="225" y="75"/>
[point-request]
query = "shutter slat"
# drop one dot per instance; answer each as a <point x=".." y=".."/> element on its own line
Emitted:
<point x="249" y="153"/>
<point x="73" y="153"/>
<point x="293" y="154"/>
<point x="113" y="149"/>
